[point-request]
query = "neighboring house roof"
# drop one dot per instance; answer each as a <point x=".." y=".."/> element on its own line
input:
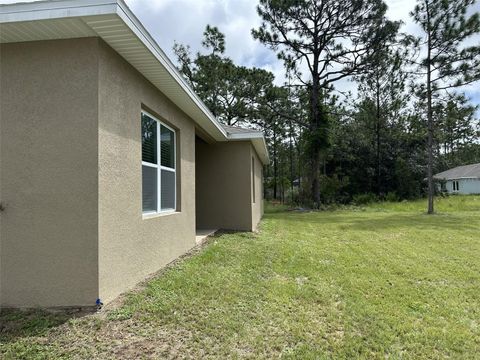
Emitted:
<point x="115" y="23"/>
<point x="460" y="172"/>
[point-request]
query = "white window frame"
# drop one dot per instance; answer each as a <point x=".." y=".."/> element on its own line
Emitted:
<point x="159" y="167"/>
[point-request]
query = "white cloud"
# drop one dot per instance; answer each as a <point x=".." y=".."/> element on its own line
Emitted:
<point x="185" y="21"/>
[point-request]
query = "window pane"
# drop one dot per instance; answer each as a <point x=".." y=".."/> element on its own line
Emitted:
<point x="149" y="140"/>
<point x="149" y="188"/>
<point x="167" y="141"/>
<point x="168" y="190"/>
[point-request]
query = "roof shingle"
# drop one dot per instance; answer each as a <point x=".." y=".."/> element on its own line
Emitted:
<point x="467" y="171"/>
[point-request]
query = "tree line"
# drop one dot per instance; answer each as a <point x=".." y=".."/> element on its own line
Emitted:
<point x="409" y="118"/>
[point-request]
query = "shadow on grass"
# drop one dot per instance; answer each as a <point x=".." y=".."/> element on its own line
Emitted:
<point x="371" y="221"/>
<point x="412" y="221"/>
<point x="17" y="324"/>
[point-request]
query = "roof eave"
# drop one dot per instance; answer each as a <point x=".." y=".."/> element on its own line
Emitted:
<point x="49" y="10"/>
<point x="44" y="10"/>
<point x="457" y="178"/>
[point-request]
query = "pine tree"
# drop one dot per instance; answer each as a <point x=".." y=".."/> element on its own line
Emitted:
<point x="384" y="85"/>
<point x="335" y="39"/>
<point x="448" y="63"/>
<point x="230" y="91"/>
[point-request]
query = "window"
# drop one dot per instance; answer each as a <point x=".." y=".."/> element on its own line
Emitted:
<point x="253" y="179"/>
<point x="456" y="186"/>
<point x="159" y="177"/>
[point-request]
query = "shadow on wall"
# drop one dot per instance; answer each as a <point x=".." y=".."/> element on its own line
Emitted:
<point x="17" y="324"/>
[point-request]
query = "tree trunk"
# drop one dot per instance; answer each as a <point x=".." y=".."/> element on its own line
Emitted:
<point x="275" y="164"/>
<point x="315" y="122"/>
<point x="315" y="148"/>
<point x="316" y="178"/>
<point x="430" y="209"/>
<point x="377" y="130"/>
<point x="292" y="177"/>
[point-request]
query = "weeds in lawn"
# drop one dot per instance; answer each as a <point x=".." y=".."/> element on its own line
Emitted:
<point x="383" y="280"/>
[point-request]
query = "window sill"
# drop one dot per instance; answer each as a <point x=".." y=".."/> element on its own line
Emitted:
<point x="157" y="215"/>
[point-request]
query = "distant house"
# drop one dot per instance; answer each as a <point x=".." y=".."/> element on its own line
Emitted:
<point x="460" y="180"/>
<point x="110" y="164"/>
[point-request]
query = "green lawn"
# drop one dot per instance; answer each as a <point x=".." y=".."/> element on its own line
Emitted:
<point x="385" y="281"/>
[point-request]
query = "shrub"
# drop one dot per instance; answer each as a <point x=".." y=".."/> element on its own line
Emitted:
<point x="392" y="197"/>
<point x="363" y="199"/>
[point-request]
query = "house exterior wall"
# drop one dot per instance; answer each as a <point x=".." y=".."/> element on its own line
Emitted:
<point x="257" y="205"/>
<point x="224" y="197"/>
<point x="466" y="186"/>
<point x="131" y="247"/>
<point x="71" y="177"/>
<point x="48" y="173"/>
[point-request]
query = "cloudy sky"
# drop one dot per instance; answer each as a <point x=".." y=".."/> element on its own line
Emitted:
<point x="185" y="20"/>
<point x="235" y="18"/>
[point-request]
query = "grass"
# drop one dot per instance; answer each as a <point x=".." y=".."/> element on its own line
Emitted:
<point x="383" y="281"/>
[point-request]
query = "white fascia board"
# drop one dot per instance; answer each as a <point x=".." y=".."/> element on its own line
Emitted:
<point x="245" y="136"/>
<point x="260" y="146"/>
<point x="464" y="178"/>
<point x="456" y="178"/>
<point x="43" y="10"/>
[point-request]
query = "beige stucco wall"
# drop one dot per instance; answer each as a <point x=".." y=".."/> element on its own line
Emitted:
<point x="131" y="247"/>
<point x="224" y="185"/>
<point x="71" y="177"/>
<point x="257" y="205"/>
<point x="48" y="173"/>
